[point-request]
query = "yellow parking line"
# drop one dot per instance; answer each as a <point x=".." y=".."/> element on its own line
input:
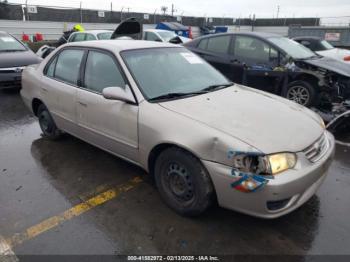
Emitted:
<point x="71" y="213"/>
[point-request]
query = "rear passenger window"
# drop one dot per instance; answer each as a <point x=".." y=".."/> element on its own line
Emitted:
<point x="68" y="66"/>
<point x="101" y="71"/>
<point x="219" y="44"/>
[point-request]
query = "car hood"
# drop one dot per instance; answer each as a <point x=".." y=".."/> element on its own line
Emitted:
<point x="130" y="27"/>
<point x="336" y="53"/>
<point x="330" y="64"/>
<point x="21" y="58"/>
<point x="267" y="122"/>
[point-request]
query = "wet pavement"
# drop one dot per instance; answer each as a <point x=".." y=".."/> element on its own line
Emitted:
<point x="41" y="178"/>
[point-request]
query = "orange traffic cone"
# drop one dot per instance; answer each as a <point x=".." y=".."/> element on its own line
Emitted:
<point x="190" y="33"/>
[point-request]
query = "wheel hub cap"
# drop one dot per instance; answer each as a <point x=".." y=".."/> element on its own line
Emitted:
<point x="179" y="182"/>
<point x="299" y="94"/>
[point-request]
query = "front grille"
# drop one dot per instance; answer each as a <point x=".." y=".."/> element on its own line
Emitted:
<point x="11" y="70"/>
<point x="316" y="150"/>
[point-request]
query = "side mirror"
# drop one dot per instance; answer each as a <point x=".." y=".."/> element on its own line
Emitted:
<point x="118" y="93"/>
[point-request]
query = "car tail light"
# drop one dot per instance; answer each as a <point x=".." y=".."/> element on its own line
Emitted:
<point x="347" y="58"/>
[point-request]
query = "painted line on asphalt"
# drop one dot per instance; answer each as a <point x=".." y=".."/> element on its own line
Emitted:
<point x="6" y="253"/>
<point x="75" y="211"/>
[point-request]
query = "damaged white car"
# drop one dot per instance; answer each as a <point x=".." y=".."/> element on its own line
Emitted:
<point x="165" y="109"/>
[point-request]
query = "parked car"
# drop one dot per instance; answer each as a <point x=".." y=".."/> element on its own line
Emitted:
<point x="14" y="57"/>
<point x="177" y="28"/>
<point x="324" y="48"/>
<point x="278" y="65"/>
<point x="90" y="35"/>
<point x="129" y="29"/>
<point x="165" y="109"/>
<point x="160" y="35"/>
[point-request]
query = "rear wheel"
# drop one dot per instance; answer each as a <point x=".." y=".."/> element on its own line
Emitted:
<point x="47" y="124"/>
<point x="301" y="92"/>
<point x="183" y="182"/>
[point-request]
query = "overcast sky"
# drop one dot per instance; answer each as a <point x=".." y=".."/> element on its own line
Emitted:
<point x="227" y="8"/>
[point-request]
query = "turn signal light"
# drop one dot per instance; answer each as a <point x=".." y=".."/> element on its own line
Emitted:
<point x="347" y="58"/>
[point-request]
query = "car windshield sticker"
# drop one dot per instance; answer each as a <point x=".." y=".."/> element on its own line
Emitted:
<point x="7" y="39"/>
<point x="191" y="58"/>
<point x="244" y="181"/>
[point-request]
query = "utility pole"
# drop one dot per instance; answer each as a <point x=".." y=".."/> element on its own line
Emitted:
<point x="253" y="22"/>
<point x="27" y="11"/>
<point x="173" y="10"/>
<point x="121" y="14"/>
<point x="278" y="11"/>
<point x="154" y="16"/>
<point x="111" y="15"/>
<point x="81" y="13"/>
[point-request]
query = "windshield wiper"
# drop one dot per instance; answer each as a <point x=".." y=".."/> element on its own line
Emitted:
<point x="202" y="91"/>
<point x="11" y="50"/>
<point x="170" y="95"/>
<point x="216" y="87"/>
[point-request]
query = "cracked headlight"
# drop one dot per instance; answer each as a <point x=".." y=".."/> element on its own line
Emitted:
<point x="260" y="164"/>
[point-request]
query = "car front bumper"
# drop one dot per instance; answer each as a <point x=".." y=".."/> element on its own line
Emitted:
<point x="10" y="77"/>
<point x="285" y="193"/>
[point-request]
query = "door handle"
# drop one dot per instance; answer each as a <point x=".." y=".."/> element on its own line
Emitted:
<point x="82" y="104"/>
<point x="44" y="89"/>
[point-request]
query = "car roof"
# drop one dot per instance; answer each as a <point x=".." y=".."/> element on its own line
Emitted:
<point x="256" y="34"/>
<point x="306" y="38"/>
<point x="157" y="30"/>
<point x="121" y="45"/>
<point x="95" y="31"/>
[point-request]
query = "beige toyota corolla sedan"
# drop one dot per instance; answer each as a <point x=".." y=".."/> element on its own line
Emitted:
<point x="203" y="138"/>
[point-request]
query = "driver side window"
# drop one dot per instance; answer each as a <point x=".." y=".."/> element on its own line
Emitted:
<point x="101" y="71"/>
<point x="255" y="50"/>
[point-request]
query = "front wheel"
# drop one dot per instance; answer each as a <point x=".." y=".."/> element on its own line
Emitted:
<point x="47" y="124"/>
<point x="183" y="182"/>
<point x="300" y="92"/>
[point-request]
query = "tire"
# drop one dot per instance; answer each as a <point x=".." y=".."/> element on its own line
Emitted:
<point x="300" y="92"/>
<point x="183" y="182"/>
<point x="47" y="124"/>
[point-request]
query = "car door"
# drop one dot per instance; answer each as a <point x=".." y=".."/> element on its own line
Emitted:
<point x="215" y="50"/>
<point x="260" y="63"/>
<point x="59" y="87"/>
<point x="109" y="124"/>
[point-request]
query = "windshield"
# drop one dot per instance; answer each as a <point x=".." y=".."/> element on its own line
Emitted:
<point x="326" y="45"/>
<point x="167" y="35"/>
<point x="8" y="43"/>
<point x="160" y="71"/>
<point x="292" y="48"/>
<point x="104" y="36"/>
